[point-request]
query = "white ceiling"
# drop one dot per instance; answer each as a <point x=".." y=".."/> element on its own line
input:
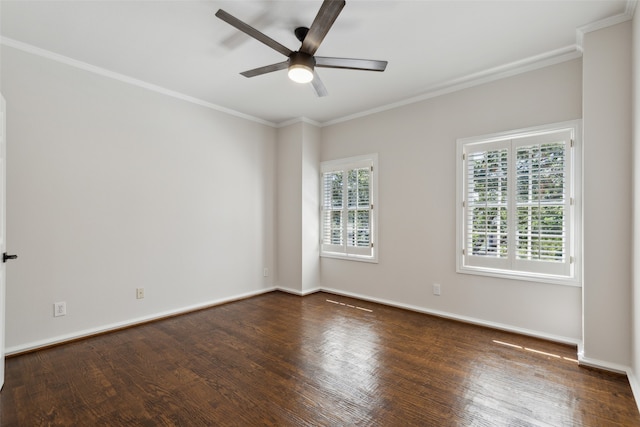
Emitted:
<point x="182" y="47"/>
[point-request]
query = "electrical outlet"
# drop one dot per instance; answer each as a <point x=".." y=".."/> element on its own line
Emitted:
<point x="436" y="289"/>
<point x="59" y="309"/>
<point x="139" y="293"/>
<point x="265" y="272"/>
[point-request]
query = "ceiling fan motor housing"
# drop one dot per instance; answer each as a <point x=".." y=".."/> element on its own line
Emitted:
<point x="302" y="59"/>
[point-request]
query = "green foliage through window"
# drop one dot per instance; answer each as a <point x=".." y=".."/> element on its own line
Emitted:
<point x="347" y="208"/>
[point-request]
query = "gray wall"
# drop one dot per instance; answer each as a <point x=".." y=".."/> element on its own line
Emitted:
<point x="416" y="145"/>
<point x="113" y="187"/>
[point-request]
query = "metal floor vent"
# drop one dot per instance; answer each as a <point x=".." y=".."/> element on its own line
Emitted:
<point x="350" y="306"/>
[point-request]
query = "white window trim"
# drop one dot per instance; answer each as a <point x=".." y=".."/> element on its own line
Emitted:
<point x="350" y="163"/>
<point x="576" y="178"/>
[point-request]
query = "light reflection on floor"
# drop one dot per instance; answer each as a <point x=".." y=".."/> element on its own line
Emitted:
<point x="349" y="305"/>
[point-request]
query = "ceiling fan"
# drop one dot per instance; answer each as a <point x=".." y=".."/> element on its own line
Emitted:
<point x="301" y="63"/>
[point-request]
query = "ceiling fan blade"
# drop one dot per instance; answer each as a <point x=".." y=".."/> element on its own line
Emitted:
<point x="323" y="21"/>
<point x="248" y="29"/>
<point x="351" y="64"/>
<point x="318" y="86"/>
<point x="266" y="69"/>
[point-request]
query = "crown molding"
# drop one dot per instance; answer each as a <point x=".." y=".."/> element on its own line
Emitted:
<point x="24" y="47"/>
<point x="298" y="120"/>
<point x="514" y="68"/>
<point x="625" y="16"/>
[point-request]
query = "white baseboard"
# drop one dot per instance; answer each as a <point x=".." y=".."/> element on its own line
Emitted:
<point x="128" y="323"/>
<point x="298" y="292"/>
<point x="466" y="319"/>
<point x="601" y="364"/>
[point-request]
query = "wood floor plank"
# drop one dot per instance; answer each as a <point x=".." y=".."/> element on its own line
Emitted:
<point x="319" y="360"/>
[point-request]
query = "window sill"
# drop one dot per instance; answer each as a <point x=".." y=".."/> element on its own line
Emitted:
<point x="516" y="275"/>
<point x="360" y="258"/>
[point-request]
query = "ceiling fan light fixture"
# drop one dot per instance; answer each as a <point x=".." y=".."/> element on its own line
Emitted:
<point x="301" y="67"/>
<point x="300" y="73"/>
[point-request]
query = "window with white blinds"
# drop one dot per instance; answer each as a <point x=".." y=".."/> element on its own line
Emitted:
<point x="518" y="210"/>
<point x="348" y="190"/>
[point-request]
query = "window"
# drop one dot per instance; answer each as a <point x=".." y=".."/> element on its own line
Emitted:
<point x="348" y="193"/>
<point x="518" y="214"/>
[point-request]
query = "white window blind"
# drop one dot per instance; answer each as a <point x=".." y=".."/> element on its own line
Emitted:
<point x="347" y="224"/>
<point x="517" y="211"/>
<point x="540" y="202"/>
<point x="486" y="213"/>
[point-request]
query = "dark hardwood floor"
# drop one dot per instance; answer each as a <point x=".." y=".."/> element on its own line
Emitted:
<point x="284" y="360"/>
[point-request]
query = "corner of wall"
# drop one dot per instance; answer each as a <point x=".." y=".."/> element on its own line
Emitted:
<point x="607" y="138"/>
